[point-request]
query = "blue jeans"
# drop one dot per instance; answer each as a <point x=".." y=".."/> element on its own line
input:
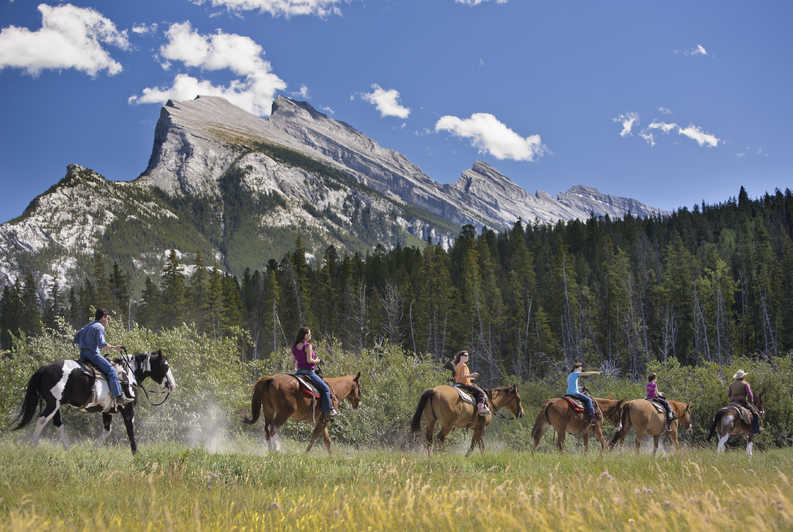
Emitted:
<point x="324" y="390"/>
<point x="106" y="368"/>
<point x="587" y="402"/>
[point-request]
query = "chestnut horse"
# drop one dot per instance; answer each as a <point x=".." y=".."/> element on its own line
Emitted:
<point x="643" y="416"/>
<point x="560" y="415"/>
<point x="443" y="405"/>
<point x="728" y="423"/>
<point x="280" y="398"/>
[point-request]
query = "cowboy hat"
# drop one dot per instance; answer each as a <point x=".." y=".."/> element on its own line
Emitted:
<point x="740" y="374"/>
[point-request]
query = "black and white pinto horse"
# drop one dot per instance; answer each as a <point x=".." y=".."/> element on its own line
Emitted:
<point x="65" y="383"/>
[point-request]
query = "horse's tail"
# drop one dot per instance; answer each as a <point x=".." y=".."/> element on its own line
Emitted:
<point x="716" y="420"/>
<point x="31" y="401"/>
<point x="623" y="423"/>
<point x="415" y="425"/>
<point x="540" y="422"/>
<point x="259" y="390"/>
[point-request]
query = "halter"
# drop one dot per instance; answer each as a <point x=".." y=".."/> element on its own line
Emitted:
<point x="125" y="359"/>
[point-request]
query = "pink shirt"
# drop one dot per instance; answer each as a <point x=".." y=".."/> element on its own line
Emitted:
<point x="652" y="390"/>
<point x="301" y="355"/>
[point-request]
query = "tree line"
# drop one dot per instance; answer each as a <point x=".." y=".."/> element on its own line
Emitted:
<point x="703" y="284"/>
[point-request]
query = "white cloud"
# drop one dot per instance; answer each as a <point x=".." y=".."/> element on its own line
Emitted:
<point x="647" y="136"/>
<point x="277" y="8"/>
<point x="70" y="37"/>
<point x="143" y="28"/>
<point x="664" y="110"/>
<point x="477" y="2"/>
<point x="219" y="51"/>
<point x="666" y="127"/>
<point x="302" y="93"/>
<point x="698" y="50"/>
<point x="489" y="135"/>
<point x="386" y="101"/>
<point x="696" y="133"/>
<point x="627" y="120"/>
<point x="328" y="109"/>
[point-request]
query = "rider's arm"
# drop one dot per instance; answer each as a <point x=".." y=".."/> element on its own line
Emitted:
<point x="588" y="373"/>
<point x="749" y="394"/>
<point x="312" y="357"/>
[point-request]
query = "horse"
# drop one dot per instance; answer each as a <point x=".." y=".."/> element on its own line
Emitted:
<point x="64" y="383"/>
<point x="642" y="415"/>
<point x="443" y="405"/>
<point x="280" y="397"/>
<point x="728" y="423"/>
<point x="558" y="413"/>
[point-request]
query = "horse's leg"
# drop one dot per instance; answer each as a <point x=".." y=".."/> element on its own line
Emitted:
<point x="475" y="439"/>
<point x="129" y="416"/>
<point x="318" y="428"/>
<point x="656" y="437"/>
<point x="445" y="430"/>
<point x="56" y="420"/>
<point x="639" y="437"/>
<point x="280" y="418"/>
<point x="749" y="446"/>
<point x="599" y="433"/>
<point x="107" y="419"/>
<point x="49" y="411"/>
<point x="428" y="431"/>
<point x="560" y="436"/>
<point x="585" y="436"/>
<point x="326" y="437"/>
<point x="720" y="447"/>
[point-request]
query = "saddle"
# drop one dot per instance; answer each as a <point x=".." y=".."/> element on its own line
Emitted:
<point x="658" y="406"/>
<point x="306" y="387"/>
<point x="94" y="373"/>
<point x="575" y="403"/>
<point x="744" y="413"/>
<point x="465" y="396"/>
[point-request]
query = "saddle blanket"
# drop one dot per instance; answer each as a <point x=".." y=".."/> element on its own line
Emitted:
<point x="465" y="396"/>
<point x="744" y="414"/>
<point x="306" y="386"/>
<point x="575" y="403"/>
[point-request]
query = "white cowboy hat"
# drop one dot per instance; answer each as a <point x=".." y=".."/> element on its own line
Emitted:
<point x="740" y="374"/>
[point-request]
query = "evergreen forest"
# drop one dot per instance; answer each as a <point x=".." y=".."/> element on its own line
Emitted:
<point x="704" y="284"/>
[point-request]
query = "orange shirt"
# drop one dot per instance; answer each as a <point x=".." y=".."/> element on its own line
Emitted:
<point x="462" y="374"/>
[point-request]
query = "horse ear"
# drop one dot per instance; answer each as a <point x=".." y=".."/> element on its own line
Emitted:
<point x="357" y="376"/>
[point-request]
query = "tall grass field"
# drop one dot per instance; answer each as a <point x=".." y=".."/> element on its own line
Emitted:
<point x="173" y="487"/>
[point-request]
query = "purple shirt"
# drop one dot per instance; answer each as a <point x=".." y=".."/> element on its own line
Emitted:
<point x="652" y="390"/>
<point x="301" y="355"/>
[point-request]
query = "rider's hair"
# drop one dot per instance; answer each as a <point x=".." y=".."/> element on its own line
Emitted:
<point x="576" y="365"/>
<point x="457" y="357"/>
<point x="99" y="314"/>
<point x="651" y="377"/>
<point x="301" y="334"/>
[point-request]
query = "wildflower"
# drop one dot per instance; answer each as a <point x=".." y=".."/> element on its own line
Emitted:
<point x="274" y="506"/>
<point x="606" y="476"/>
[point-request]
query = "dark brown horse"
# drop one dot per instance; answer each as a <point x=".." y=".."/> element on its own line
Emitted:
<point x="729" y="423"/>
<point x="443" y="405"/>
<point x="279" y="397"/>
<point x="642" y="415"/>
<point x="560" y="415"/>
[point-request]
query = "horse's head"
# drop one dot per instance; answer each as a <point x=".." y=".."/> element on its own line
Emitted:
<point x="355" y="392"/>
<point x="508" y="397"/>
<point x="758" y="402"/>
<point x="684" y="419"/>
<point x="155" y="365"/>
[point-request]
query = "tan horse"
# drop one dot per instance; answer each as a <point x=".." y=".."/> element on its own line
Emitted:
<point x="728" y="423"/>
<point x="558" y="414"/>
<point x="279" y="397"/>
<point x="643" y="416"/>
<point x="443" y="405"/>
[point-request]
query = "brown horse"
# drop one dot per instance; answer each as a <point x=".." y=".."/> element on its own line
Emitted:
<point x="560" y="415"/>
<point x="280" y="398"/>
<point x="643" y="416"/>
<point x="443" y="405"/>
<point x="728" y="423"/>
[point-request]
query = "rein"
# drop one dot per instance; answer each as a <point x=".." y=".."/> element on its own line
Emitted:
<point x="125" y="358"/>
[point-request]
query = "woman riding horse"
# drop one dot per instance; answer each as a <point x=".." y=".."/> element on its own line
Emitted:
<point x="305" y="363"/>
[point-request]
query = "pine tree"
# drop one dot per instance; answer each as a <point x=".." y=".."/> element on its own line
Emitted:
<point x="174" y="293"/>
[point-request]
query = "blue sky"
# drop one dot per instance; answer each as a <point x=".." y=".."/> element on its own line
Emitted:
<point x="670" y="103"/>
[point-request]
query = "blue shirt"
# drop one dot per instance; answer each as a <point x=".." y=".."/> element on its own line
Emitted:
<point x="91" y="337"/>
<point x="572" y="382"/>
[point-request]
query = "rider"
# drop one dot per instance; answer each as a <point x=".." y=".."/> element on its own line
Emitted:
<point x="654" y="395"/>
<point x="573" y="389"/>
<point x="305" y="364"/>
<point x="91" y="340"/>
<point x="740" y="392"/>
<point x="463" y="378"/>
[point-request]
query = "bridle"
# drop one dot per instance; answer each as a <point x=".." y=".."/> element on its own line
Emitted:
<point x="125" y="358"/>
